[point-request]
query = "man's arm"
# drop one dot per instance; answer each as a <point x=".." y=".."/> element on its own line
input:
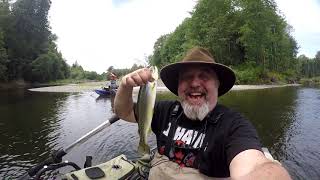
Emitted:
<point x="123" y="104"/>
<point x="252" y="164"/>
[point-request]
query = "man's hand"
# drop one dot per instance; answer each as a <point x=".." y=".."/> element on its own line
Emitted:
<point x="123" y="104"/>
<point x="252" y="164"/>
<point x="137" y="78"/>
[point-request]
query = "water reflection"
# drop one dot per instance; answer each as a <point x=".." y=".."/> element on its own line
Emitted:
<point x="33" y="124"/>
<point x="287" y="120"/>
<point x="300" y="146"/>
<point x="107" y="98"/>
<point x="27" y="123"/>
<point x="269" y="110"/>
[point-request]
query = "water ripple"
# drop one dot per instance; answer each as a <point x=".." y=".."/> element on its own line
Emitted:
<point x="33" y="126"/>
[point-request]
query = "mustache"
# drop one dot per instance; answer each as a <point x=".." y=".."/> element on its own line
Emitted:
<point x="195" y="90"/>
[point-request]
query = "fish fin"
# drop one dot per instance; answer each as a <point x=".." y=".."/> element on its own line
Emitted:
<point x="143" y="148"/>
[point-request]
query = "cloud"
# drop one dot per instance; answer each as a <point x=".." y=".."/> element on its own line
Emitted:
<point x="118" y="3"/>
<point x="101" y="33"/>
<point x="119" y="33"/>
<point x="303" y="16"/>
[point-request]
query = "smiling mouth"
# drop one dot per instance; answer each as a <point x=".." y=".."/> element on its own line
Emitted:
<point x="195" y="97"/>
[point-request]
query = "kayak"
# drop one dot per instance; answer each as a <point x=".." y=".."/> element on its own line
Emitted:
<point x="122" y="168"/>
<point x="105" y="91"/>
<point x="117" y="168"/>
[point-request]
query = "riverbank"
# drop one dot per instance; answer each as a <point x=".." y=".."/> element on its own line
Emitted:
<point x="14" y="85"/>
<point x="81" y="87"/>
<point x="91" y="86"/>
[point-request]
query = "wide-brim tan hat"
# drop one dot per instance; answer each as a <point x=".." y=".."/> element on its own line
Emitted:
<point x="198" y="56"/>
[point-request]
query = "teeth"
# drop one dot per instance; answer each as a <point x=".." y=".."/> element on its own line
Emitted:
<point x="195" y="94"/>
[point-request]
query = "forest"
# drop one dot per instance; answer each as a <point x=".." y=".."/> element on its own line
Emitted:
<point x="27" y="46"/>
<point x="252" y="37"/>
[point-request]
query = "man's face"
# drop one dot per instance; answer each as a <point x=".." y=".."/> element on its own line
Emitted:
<point x="198" y="90"/>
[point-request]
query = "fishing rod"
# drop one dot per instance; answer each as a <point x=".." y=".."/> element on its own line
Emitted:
<point x="56" y="157"/>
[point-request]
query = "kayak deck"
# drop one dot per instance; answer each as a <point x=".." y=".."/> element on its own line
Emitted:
<point x="117" y="168"/>
<point x="120" y="168"/>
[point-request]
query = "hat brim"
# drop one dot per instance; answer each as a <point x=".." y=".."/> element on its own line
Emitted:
<point x="170" y="75"/>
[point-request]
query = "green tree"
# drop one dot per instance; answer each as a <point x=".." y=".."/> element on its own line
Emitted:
<point x="135" y="67"/>
<point x="3" y="59"/>
<point x="76" y="71"/>
<point x="156" y="58"/>
<point x="215" y="25"/>
<point x="4" y="19"/>
<point x="48" y="67"/>
<point x="27" y="36"/>
<point x="91" y="75"/>
<point x="236" y="32"/>
<point x="317" y="57"/>
<point x="307" y="66"/>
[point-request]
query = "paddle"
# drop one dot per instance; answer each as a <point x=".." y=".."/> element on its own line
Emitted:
<point x="56" y="157"/>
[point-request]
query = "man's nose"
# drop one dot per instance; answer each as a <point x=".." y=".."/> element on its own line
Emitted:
<point x="195" y="82"/>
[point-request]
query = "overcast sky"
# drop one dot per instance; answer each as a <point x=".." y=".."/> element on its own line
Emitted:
<point x="119" y="33"/>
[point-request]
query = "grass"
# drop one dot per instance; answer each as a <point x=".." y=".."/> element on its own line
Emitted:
<point x="315" y="81"/>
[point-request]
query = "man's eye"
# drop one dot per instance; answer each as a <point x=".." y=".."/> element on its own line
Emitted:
<point x="204" y="76"/>
<point x="185" y="77"/>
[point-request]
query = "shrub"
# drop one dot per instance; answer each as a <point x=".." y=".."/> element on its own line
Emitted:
<point x="249" y="73"/>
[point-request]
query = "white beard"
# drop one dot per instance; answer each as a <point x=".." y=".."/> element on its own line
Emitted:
<point x="194" y="112"/>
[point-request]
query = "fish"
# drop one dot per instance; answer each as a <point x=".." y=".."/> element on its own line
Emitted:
<point x="144" y="110"/>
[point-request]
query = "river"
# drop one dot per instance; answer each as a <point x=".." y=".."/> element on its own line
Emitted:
<point x="33" y="124"/>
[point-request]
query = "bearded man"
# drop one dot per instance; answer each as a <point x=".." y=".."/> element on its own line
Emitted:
<point x="197" y="138"/>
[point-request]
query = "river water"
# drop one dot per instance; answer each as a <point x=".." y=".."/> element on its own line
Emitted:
<point x="33" y="124"/>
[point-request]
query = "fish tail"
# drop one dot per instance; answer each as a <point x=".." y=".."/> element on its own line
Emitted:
<point x="143" y="148"/>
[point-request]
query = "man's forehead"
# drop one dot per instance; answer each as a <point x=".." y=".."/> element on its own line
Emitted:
<point x="191" y="69"/>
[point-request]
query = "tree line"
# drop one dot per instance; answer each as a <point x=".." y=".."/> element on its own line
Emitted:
<point x="310" y="67"/>
<point x="250" y="36"/>
<point x="119" y="72"/>
<point x="27" y="46"/>
<point x="28" y="50"/>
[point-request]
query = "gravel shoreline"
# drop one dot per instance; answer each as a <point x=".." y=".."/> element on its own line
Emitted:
<point x="91" y="86"/>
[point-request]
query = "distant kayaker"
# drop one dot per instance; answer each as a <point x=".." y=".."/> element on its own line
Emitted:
<point x="197" y="138"/>
<point x="113" y="81"/>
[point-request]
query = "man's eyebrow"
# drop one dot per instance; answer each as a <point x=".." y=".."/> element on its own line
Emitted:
<point x="206" y="69"/>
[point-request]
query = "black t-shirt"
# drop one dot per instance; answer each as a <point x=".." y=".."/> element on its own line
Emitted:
<point x="207" y="145"/>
